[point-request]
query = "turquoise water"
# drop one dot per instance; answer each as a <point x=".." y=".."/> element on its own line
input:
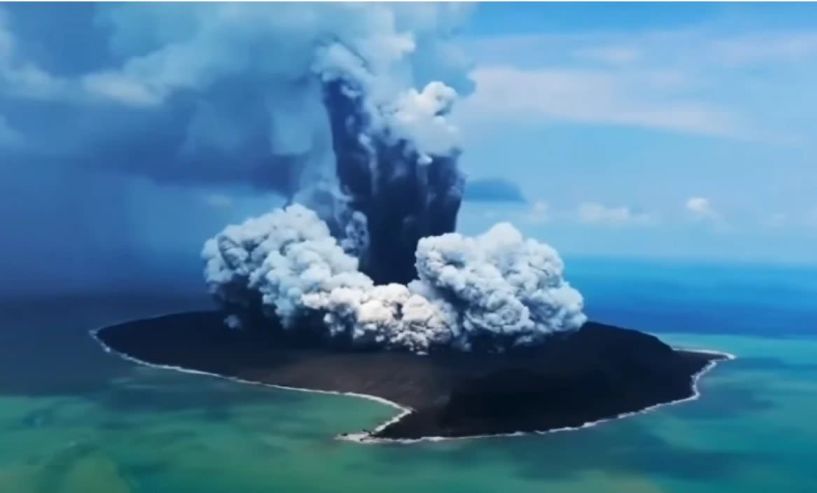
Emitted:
<point x="74" y="419"/>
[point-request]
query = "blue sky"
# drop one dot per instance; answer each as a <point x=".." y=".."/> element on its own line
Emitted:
<point x="650" y="130"/>
<point x="637" y="130"/>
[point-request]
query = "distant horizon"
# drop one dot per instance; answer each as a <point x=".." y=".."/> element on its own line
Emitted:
<point x="167" y="275"/>
<point x="226" y="222"/>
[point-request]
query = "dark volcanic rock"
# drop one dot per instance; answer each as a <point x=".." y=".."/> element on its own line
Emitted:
<point x="597" y="372"/>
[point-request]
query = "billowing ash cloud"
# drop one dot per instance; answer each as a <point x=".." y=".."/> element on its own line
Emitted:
<point x="503" y="285"/>
<point x="241" y="87"/>
<point x="277" y="259"/>
<point x="341" y="107"/>
<point x="245" y="83"/>
<point x="391" y="177"/>
<point x="490" y="292"/>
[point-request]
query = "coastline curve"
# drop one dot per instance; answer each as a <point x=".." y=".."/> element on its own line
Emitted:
<point x="370" y="436"/>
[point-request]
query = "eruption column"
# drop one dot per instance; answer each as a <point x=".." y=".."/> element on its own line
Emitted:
<point x="403" y="194"/>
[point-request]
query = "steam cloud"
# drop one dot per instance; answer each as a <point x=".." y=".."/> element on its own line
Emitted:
<point x="492" y="292"/>
<point x="344" y="109"/>
<point x="340" y="107"/>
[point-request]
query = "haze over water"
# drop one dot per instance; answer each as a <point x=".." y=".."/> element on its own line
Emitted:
<point x="75" y="419"/>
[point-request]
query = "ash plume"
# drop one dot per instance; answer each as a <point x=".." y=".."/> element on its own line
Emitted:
<point x="392" y="175"/>
<point x="492" y="292"/>
<point x="340" y="107"/>
<point x="344" y="110"/>
<point x="292" y="98"/>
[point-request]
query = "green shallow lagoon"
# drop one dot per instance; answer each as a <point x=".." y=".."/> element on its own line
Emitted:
<point x="74" y="419"/>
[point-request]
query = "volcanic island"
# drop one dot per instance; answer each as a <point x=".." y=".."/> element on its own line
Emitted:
<point x="361" y="284"/>
<point x="571" y="380"/>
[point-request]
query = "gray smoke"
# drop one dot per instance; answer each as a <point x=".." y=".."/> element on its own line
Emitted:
<point x="491" y="292"/>
<point x="373" y="255"/>
<point x="245" y="83"/>
<point x="341" y="107"/>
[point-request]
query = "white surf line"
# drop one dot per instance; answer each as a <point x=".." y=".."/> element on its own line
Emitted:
<point x="403" y="410"/>
<point x="369" y="438"/>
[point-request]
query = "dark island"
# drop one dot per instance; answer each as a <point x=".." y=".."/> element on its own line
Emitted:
<point x="576" y="378"/>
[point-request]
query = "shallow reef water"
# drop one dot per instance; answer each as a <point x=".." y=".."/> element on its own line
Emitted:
<point x="74" y="419"/>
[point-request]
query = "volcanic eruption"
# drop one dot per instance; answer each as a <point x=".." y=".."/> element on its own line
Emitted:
<point x="360" y="283"/>
<point x="371" y="250"/>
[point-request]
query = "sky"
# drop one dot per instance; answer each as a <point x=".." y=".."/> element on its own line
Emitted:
<point x="679" y="131"/>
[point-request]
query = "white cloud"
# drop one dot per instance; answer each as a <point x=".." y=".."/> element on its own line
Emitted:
<point x="701" y="207"/>
<point x="20" y="77"/>
<point x="594" y="96"/>
<point x="122" y="89"/>
<point x="538" y="213"/>
<point x="765" y="48"/>
<point x="595" y="213"/>
<point x="698" y="80"/>
<point x="694" y="47"/>
<point x="497" y="287"/>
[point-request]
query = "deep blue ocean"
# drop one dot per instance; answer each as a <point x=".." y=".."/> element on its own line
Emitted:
<point x="699" y="297"/>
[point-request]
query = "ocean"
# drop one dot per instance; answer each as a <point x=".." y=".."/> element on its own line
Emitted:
<point x="74" y="419"/>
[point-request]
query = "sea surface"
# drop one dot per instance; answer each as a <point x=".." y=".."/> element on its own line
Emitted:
<point x="75" y="419"/>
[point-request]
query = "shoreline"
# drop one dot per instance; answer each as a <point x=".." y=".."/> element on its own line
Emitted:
<point x="368" y="437"/>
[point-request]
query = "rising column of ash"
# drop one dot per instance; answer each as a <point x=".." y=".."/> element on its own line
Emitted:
<point x="400" y="188"/>
<point x="369" y="249"/>
<point x="491" y="292"/>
